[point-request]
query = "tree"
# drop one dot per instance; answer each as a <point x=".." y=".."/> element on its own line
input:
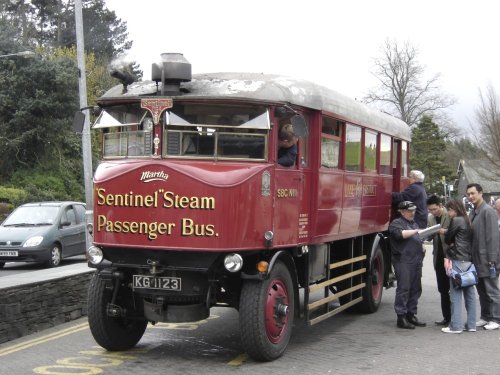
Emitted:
<point x="461" y="148"/>
<point x="37" y="101"/>
<point x="428" y="154"/>
<point x="51" y="23"/>
<point x="488" y="119"/>
<point x="402" y="90"/>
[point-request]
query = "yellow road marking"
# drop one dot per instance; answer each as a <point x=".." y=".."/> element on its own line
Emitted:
<point x="238" y="361"/>
<point x="43" y="339"/>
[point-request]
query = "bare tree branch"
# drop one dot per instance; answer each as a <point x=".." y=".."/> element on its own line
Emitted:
<point x="402" y="92"/>
<point x="488" y="119"/>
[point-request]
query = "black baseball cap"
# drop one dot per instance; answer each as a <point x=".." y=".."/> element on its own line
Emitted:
<point x="407" y="205"/>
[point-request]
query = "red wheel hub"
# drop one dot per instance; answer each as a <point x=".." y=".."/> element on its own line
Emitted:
<point x="276" y="310"/>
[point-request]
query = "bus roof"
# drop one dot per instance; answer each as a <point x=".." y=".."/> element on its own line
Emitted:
<point x="273" y="89"/>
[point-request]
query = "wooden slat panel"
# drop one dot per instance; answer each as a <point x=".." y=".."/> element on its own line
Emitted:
<point x="334" y="312"/>
<point x="333" y="297"/>
<point x="314" y="288"/>
<point x="347" y="261"/>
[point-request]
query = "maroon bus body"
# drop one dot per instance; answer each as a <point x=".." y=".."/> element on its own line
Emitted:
<point x="167" y="230"/>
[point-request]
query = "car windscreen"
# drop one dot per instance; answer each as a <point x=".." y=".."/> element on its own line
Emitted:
<point x="32" y="215"/>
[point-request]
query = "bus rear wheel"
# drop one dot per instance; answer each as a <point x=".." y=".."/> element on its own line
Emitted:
<point x="112" y="333"/>
<point x="372" y="292"/>
<point x="267" y="311"/>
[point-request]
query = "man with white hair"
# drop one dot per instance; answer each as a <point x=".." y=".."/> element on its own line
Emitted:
<point x="414" y="192"/>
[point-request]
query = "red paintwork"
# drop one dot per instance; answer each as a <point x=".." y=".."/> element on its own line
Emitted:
<point x="239" y="217"/>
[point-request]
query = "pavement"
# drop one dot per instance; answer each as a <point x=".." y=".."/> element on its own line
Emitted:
<point x="34" y="277"/>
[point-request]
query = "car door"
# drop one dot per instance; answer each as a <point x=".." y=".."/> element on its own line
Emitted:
<point x="69" y="231"/>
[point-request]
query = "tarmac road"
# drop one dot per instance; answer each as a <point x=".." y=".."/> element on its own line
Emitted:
<point x="345" y="344"/>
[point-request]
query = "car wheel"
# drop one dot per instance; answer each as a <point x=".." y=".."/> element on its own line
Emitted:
<point x="55" y="256"/>
<point x="2" y="264"/>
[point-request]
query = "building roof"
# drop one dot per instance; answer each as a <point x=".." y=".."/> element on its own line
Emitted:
<point x="481" y="172"/>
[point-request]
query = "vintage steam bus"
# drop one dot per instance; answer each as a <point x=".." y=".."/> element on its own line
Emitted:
<point x="192" y="209"/>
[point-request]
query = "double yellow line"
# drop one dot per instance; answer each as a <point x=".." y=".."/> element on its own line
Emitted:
<point x="43" y="339"/>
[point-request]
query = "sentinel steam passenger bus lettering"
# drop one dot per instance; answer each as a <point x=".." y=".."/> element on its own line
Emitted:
<point x="192" y="210"/>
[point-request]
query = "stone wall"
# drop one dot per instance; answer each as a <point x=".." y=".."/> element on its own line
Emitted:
<point x="31" y="308"/>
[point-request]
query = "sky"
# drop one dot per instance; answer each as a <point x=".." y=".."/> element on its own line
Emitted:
<point x="329" y="42"/>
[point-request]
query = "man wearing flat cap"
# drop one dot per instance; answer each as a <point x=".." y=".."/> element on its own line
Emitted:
<point x="407" y="257"/>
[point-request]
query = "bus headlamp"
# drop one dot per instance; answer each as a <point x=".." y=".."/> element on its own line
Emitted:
<point x="94" y="255"/>
<point x="233" y="262"/>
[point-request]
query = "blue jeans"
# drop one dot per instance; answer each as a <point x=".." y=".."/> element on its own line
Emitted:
<point x="469" y="293"/>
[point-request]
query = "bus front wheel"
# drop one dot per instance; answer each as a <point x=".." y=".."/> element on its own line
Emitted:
<point x="112" y="333"/>
<point x="267" y="310"/>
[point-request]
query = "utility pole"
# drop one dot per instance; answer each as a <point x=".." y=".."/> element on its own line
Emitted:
<point x="86" y="142"/>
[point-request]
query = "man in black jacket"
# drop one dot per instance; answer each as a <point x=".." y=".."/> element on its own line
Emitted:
<point x="439" y="247"/>
<point x="415" y="192"/>
<point x="407" y="256"/>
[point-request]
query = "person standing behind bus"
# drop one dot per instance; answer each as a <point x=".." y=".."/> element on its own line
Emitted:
<point x="407" y="257"/>
<point x="439" y="215"/>
<point x="459" y="257"/>
<point x="415" y="192"/>
<point x="287" y="153"/>
<point x="485" y="256"/>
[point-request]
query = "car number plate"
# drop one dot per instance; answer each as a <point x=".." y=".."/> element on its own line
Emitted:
<point x="152" y="282"/>
<point x="9" y="253"/>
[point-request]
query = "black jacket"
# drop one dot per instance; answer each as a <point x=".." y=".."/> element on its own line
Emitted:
<point x="415" y="193"/>
<point x="459" y="237"/>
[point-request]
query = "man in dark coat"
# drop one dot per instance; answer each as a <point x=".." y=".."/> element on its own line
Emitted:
<point x="415" y="192"/>
<point x="485" y="255"/>
<point x="439" y="247"/>
<point x="407" y="256"/>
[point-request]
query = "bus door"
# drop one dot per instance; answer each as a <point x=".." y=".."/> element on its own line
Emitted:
<point x="292" y="202"/>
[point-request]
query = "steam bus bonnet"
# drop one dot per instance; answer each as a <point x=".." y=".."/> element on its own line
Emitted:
<point x="171" y="71"/>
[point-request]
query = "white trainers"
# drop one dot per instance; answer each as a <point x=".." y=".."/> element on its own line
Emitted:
<point x="449" y="330"/>
<point x="492" y="325"/>
<point x="481" y="323"/>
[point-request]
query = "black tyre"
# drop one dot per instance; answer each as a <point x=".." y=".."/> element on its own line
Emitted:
<point x="55" y="256"/>
<point x="267" y="311"/>
<point x="2" y="264"/>
<point x="112" y="333"/>
<point x="372" y="292"/>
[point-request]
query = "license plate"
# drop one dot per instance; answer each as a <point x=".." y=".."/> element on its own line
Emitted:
<point x="9" y="253"/>
<point x="152" y="282"/>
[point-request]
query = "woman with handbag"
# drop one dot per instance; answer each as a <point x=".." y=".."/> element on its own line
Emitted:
<point x="459" y="260"/>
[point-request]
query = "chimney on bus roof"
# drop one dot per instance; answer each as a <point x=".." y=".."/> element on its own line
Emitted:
<point x="171" y="71"/>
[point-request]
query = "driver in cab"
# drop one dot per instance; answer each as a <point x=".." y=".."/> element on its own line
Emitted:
<point x="287" y="153"/>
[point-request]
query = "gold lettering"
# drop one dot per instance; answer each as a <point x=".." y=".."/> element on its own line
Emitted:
<point x="152" y="230"/>
<point x="172" y="200"/>
<point x="187" y="227"/>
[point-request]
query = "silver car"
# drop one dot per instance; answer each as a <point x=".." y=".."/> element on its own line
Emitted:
<point x="43" y="232"/>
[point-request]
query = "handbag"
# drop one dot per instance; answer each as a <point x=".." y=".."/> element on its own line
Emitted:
<point x="463" y="279"/>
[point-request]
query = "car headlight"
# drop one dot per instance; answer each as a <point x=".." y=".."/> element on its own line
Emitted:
<point x="33" y="241"/>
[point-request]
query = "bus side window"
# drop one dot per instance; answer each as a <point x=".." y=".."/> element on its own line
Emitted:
<point x="353" y="148"/>
<point x="331" y="135"/>
<point x="385" y="154"/>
